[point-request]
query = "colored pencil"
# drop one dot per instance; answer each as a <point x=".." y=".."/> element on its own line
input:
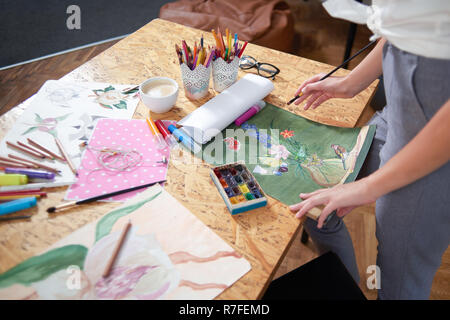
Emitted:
<point x="13" y="165"/>
<point x="119" y="245"/>
<point x="100" y="197"/>
<point x="242" y="50"/>
<point x="20" y="196"/>
<point x="28" y="152"/>
<point x="39" y="165"/>
<point x="34" y="150"/>
<point x="38" y="146"/>
<point x="19" y="192"/>
<point x="66" y="156"/>
<point x="22" y="163"/>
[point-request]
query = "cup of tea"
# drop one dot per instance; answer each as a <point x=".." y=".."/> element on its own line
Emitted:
<point x="159" y="94"/>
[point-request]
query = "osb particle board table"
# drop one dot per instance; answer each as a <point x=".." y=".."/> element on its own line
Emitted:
<point x="262" y="236"/>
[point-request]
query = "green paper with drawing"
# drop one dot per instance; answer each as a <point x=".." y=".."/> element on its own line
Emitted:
<point x="290" y="155"/>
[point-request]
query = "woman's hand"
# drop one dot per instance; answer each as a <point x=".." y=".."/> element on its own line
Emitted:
<point x="317" y="92"/>
<point x="343" y="197"/>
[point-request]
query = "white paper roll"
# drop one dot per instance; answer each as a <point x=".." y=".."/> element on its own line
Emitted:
<point x="219" y="112"/>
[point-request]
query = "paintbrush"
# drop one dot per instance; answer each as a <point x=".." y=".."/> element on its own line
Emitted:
<point x="117" y="248"/>
<point x="335" y="69"/>
<point x="100" y="197"/>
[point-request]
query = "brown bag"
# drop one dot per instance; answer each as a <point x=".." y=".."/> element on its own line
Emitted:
<point x="268" y="23"/>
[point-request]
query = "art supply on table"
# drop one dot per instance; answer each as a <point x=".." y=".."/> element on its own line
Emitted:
<point x="36" y="164"/>
<point x="15" y="218"/>
<point x="13" y="179"/>
<point x="100" y="197"/>
<point x="120" y="154"/>
<point x="161" y="144"/>
<point x="20" y="196"/>
<point x="20" y="192"/>
<point x="184" y="139"/>
<point x="168" y="137"/>
<point x="335" y="69"/>
<point x="168" y="254"/>
<point x="159" y="94"/>
<point x="8" y="162"/>
<point x="31" y="173"/>
<point x="195" y="69"/>
<point x="36" y="185"/>
<point x="68" y="110"/>
<point x="222" y="110"/>
<point x="24" y="150"/>
<point x="66" y="156"/>
<point x="238" y="187"/>
<point x="117" y="248"/>
<point x="43" y="155"/>
<point x="250" y="113"/>
<point x="225" y="60"/>
<point x="45" y="150"/>
<point x="17" y="205"/>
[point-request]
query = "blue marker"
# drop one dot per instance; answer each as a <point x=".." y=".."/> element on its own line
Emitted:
<point x="184" y="139"/>
<point x="17" y="205"/>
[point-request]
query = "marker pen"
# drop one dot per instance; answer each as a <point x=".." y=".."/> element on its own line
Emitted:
<point x="168" y="137"/>
<point x="250" y="113"/>
<point x="13" y="179"/>
<point x="184" y="139"/>
<point x="31" y="173"/>
<point x="17" y="205"/>
<point x="156" y="133"/>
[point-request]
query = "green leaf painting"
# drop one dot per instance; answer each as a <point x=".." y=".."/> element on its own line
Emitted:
<point x="121" y="105"/>
<point x="40" y="267"/>
<point x="294" y="155"/>
<point x="106" y="223"/>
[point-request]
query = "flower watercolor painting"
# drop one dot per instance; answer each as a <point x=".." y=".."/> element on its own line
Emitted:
<point x="68" y="110"/>
<point x="152" y="264"/>
<point x="296" y="155"/>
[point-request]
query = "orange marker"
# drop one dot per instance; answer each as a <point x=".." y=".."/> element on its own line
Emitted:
<point x="158" y="136"/>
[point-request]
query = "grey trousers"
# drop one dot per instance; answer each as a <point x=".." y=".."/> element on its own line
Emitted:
<point x="412" y="223"/>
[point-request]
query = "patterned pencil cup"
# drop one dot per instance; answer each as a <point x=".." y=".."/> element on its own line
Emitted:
<point x="195" y="82"/>
<point x="224" y="74"/>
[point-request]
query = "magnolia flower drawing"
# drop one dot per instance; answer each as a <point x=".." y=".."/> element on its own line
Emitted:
<point x="279" y="151"/>
<point x="47" y="125"/>
<point x="111" y="98"/>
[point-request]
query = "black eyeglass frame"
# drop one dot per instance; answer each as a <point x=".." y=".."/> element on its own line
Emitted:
<point x="258" y="65"/>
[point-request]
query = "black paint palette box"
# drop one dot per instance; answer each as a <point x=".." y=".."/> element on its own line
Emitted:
<point x="238" y="187"/>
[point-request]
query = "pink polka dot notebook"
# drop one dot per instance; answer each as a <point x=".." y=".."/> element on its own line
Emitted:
<point x="125" y="135"/>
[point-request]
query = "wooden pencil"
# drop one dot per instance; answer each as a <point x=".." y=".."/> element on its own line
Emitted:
<point x="35" y="163"/>
<point x="28" y="152"/>
<point x="27" y="165"/>
<point x="119" y="244"/>
<point x="66" y="156"/>
<point x="12" y="165"/>
<point x="34" y="150"/>
<point x="38" y="146"/>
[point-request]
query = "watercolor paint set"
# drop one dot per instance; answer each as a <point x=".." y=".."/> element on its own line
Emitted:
<point x="238" y="187"/>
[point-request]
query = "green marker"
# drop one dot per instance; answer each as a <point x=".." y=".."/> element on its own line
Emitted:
<point x="13" y="179"/>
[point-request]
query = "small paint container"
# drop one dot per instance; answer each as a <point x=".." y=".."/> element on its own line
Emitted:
<point x="243" y="195"/>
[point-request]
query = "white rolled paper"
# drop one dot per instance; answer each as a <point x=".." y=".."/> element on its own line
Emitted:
<point x="219" y="112"/>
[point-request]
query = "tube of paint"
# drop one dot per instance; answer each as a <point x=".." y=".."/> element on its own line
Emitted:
<point x="250" y="113"/>
<point x="168" y="137"/>
<point x="184" y="139"/>
<point x="156" y="133"/>
<point x="16" y="205"/>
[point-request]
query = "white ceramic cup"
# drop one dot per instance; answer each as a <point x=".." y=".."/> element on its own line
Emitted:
<point x="156" y="100"/>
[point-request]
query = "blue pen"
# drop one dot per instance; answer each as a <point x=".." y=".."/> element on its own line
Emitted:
<point x="17" y="205"/>
<point x="184" y="139"/>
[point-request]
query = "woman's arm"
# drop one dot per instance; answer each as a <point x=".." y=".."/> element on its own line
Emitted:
<point x="426" y="152"/>
<point x="357" y="80"/>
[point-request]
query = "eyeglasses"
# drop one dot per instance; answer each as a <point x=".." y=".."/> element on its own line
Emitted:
<point x="265" y="70"/>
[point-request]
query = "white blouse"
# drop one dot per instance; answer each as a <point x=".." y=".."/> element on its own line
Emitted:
<point x="420" y="27"/>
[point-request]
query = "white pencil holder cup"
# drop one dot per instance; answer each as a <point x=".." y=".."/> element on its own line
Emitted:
<point x="224" y="74"/>
<point x="195" y="82"/>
